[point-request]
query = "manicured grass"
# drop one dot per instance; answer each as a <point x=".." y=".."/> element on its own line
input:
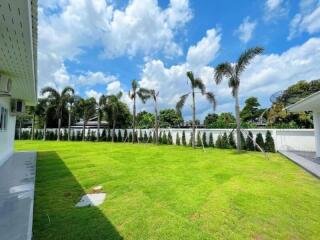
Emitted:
<point x="170" y="192"/>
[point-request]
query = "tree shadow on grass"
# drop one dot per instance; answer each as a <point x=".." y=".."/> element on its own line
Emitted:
<point x="55" y="216"/>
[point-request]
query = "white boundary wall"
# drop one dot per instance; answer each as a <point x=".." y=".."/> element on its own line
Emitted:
<point x="285" y="139"/>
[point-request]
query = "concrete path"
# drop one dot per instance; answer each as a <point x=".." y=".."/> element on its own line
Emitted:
<point x="17" y="179"/>
<point x="306" y="160"/>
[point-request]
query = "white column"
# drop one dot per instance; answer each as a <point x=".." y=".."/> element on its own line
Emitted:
<point x="316" y="122"/>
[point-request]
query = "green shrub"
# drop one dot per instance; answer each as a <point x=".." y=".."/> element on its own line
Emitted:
<point x="170" y="138"/>
<point x="160" y="138"/>
<point x="211" y="143"/>
<point x="232" y="142"/>
<point x="119" y="136"/>
<point x="135" y="136"/>
<point x="150" y="139"/>
<point x="224" y="141"/>
<point x="125" y="135"/>
<point x="243" y="142"/>
<point x="184" y="142"/>
<point x="259" y="141"/>
<point x="190" y="140"/>
<point x="219" y="142"/>
<point x="93" y="136"/>
<point x="140" y="136"/>
<point x="130" y="137"/>
<point x="178" y="139"/>
<point x="199" y="143"/>
<point x="109" y="135"/>
<point x="204" y="139"/>
<point x="249" y="142"/>
<point x="269" y="145"/>
<point x="103" y="136"/>
<point x="164" y="138"/>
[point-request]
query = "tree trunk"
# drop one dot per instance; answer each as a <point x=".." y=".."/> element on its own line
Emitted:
<point x="113" y="129"/>
<point x="237" y="110"/>
<point x="98" y="133"/>
<point x="32" y="127"/>
<point x="156" y="125"/>
<point x="134" y="119"/>
<point x="193" y="119"/>
<point x="44" y="130"/>
<point x="69" y="126"/>
<point x="59" y="127"/>
<point x="84" y="130"/>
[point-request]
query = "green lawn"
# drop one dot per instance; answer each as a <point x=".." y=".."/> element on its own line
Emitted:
<point x="170" y="192"/>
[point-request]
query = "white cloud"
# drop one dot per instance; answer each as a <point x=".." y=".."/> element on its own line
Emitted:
<point x="92" y="93"/>
<point x="95" y="78"/>
<point x="275" y="9"/>
<point x="266" y="75"/>
<point x="307" y="20"/>
<point x="114" y="87"/>
<point x="245" y="30"/>
<point x="205" y="50"/>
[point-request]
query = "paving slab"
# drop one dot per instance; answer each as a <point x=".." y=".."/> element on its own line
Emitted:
<point x="17" y="181"/>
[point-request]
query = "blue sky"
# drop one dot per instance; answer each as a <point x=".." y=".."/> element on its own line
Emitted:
<point x="99" y="46"/>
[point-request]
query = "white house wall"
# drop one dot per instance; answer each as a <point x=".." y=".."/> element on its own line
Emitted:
<point x="7" y="136"/>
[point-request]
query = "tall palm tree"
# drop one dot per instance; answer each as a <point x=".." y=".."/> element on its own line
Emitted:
<point x="233" y="72"/>
<point x="87" y="108"/>
<point x="133" y="93"/>
<point x="58" y="101"/>
<point x="32" y="111"/>
<point x="196" y="83"/>
<point x="41" y="110"/>
<point x="100" y="106"/>
<point x="112" y="107"/>
<point x="71" y="102"/>
<point x="153" y="94"/>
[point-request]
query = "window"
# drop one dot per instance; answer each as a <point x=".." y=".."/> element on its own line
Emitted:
<point x="3" y="118"/>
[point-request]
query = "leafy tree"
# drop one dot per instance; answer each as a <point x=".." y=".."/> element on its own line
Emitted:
<point x="170" y="142"/>
<point x="196" y="83"/>
<point x="164" y="138"/>
<point x="184" y="142"/>
<point x="249" y="142"/>
<point x="243" y="142"/>
<point x="170" y="118"/>
<point x="210" y="120"/>
<point x="250" y="111"/>
<point x="178" y="143"/>
<point x="87" y="107"/>
<point x="259" y="141"/>
<point x="269" y="145"/>
<point x="211" y="143"/>
<point x="231" y="140"/>
<point x="224" y="140"/>
<point x="233" y="73"/>
<point x="150" y="138"/>
<point x="204" y="139"/>
<point x="133" y="94"/>
<point x="58" y="101"/>
<point x="145" y="120"/>
<point x="199" y="143"/>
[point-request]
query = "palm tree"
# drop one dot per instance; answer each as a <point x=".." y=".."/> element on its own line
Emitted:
<point x="196" y="83"/>
<point x="133" y="93"/>
<point x="58" y="101"/>
<point x="112" y="107"/>
<point x="151" y="93"/>
<point x="233" y="72"/>
<point x="87" y="108"/>
<point x="100" y="106"/>
<point x="32" y="111"/>
<point x="71" y="102"/>
<point x="41" y="110"/>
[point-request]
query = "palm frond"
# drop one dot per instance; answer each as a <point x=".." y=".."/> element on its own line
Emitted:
<point x="223" y="70"/>
<point x="119" y="95"/>
<point x="212" y="99"/>
<point x="67" y="90"/>
<point x="181" y="102"/>
<point x="234" y="84"/>
<point x="246" y="57"/>
<point x="51" y="91"/>
<point x="144" y="94"/>
<point x="134" y="85"/>
<point x="191" y="77"/>
<point x="198" y="83"/>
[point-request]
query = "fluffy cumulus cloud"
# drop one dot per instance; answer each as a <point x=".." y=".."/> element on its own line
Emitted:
<point x="275" y="9"/>
<point x="205" y="50"/>
<point x="245" y="30"/>
<point x="266" y="75"/>
<point x="95" y="78"/>
<point x="67" y="27"/>
<point x="93" y="94"/>
<point x="307" y="20"/>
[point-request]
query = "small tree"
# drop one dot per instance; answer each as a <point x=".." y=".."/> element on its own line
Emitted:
<point x="79" y="136"/>
<point x="232" y="142"/>
<point x="204" y="139"/>
<point x="170" y="138"/>
<point x="145" y="137"/>
<point x="160" y="138"/>
<point x="198" y="143"/>
<point x="259" y="141"/>
<point x="243" y="141"/>
<point x="164" y="138"/>
<point x="219" y="142"/>
<point x="103" y="136"/>
<point x="119" y="136"/>
<point x="125" y="135"/>
<point x="150" y="138"/>
<point x="190" y="140"/>
<point x="93" y="136"/>
<point x="140" y="136"/>
<point x="211" y="143"/>
<point x="249" y="142"/>
<point x="130" y="137"/>
<point x="184" y="142"/>
<point x="73" y="137"/>
<point x="115" y="137"/>
<point x="135" y="137"/>
<point x="269" y="145"/>
<point x="178" y="139"/>
<point x="109" y="135"/>
<point x="224" y="141"/>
